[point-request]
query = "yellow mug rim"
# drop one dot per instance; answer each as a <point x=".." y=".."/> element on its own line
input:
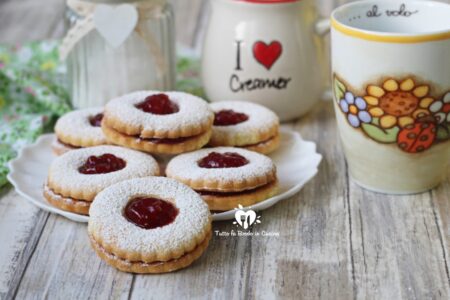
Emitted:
<point x="389" y="37"/>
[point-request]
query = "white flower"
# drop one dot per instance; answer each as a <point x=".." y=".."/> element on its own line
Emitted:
<point x="441" y="109"/>
<point x="47" y="46"/>
<point x="25" y="54"/>
<point x="19" y="144"/>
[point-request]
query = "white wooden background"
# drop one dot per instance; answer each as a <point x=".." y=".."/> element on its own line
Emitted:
<point x="337" y="241"/>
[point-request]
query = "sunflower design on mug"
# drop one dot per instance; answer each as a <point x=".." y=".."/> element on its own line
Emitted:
<point x="398" y="110"/>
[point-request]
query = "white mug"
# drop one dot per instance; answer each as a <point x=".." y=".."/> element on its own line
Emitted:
<point x="266" y="52"/>
<point x="391" y="75"/>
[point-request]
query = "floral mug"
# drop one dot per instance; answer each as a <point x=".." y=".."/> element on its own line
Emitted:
<point x="391" y="81"/>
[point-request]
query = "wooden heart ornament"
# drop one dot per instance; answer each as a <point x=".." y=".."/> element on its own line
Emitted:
<point x="267" y="55"/>
<point x="115" y="23"/>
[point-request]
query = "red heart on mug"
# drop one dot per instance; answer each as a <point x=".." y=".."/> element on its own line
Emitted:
<point x="265" y="54"/>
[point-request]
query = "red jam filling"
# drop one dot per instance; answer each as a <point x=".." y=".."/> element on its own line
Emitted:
<point x="166" y="140"/>
<point x="229" y="117"/>
<point x="210" y="193"/>
<point x="149" y="213"/>
<point x="216" y="160"/>
<point x="105" y="163"/>
<point x="158" y="104"/>
<point x="96" y="121"/>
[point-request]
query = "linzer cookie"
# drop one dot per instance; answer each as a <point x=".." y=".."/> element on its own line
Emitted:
<point x="246" y="125"/>
<point x="76" y="177"/>
<point x="160" y="123"/>
<point x="149" y="225"/>
<point x="79" y="129"/>
<point x="225" y="176"/>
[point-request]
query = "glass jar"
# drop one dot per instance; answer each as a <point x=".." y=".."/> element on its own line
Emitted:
<point x="98" y="72"/>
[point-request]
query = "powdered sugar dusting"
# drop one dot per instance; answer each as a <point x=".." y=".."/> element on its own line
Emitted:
<point x="76" y="124"/>
<point x="261" y="119"/>
<point x="108" y="222"/>
<point x="64" y="169"/>
<point x="186" y="167"/>
<point x="192" y="111"/>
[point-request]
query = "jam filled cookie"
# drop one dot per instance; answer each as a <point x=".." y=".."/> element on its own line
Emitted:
<point x="160" y="123"/>
<point x="76" y="177"/>
<point x="149" y="225"/>
<point x="226" y="177"/>
<point x="79" y="129"/>
<point x="246" y="125"/>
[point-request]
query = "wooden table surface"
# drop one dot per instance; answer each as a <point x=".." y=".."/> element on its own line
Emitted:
<point x="337" y="241"/>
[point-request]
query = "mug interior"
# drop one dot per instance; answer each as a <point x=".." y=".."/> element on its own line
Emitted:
<point x="395" y="17"/>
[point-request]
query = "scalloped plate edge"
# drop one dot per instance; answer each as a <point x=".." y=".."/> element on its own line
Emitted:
<point x="315" y="160"/>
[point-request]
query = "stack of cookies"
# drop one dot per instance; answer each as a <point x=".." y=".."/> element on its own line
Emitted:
<point x="106" y="170"/>
<point x="169" y="123"/>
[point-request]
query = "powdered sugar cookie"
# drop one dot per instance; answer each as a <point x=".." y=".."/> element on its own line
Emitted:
<point x="78" y="129"/>
<point x="149" y="225"/>
<point x="76" y="177"/>
<point x="226" y="176"/>
<point x="244" y="124"/>
<point x="160" y="123"/>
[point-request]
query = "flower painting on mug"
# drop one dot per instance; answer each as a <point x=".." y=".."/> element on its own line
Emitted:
<point x="397" y="110"/>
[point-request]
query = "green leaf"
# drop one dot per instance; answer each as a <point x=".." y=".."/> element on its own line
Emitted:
<point x="376" y="121"/>
<point x="339" y="89"/>
<point x="381" y="135"/>
<point x="443" y="132"/>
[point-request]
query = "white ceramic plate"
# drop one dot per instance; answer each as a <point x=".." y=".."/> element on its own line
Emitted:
<point x="297" y="162"/>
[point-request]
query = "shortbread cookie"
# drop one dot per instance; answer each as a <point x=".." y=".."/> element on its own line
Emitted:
<point x="149" y="225"/>
<point x="160" y="123"/>
<point x="244" y="124"/>
<point x="265" y="147"/>
<point x="79" y="129"/>
<point x="68" y="204"/>
<point x="76" y="177"/>
<point x="59" y="148"/>
<point x="159" y="146"/>
<point x="226" y="176"/>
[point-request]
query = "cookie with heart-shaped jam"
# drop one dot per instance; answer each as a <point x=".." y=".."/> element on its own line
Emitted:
<point x="149" y="225"/>
<point x="246" y="125"/>
<point x="79" y="129"/>
<point x="158" y="122"/>
<point x="76" y="177"/>
<point x="226" y="177"/>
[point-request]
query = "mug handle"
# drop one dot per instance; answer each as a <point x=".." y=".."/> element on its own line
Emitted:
<point x="322" y="26"/>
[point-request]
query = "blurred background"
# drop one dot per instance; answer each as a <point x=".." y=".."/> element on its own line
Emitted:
<point x="28" y="20"/>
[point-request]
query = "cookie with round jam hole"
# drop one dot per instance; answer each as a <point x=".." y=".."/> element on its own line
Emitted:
<point x="158" y="122"/>
<point x="225" y="176"/>
<point x="79" y="129"/>
<point x="76" y="177"/>
<point x="246" y="125"/>
<point x="149" y="225"/>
